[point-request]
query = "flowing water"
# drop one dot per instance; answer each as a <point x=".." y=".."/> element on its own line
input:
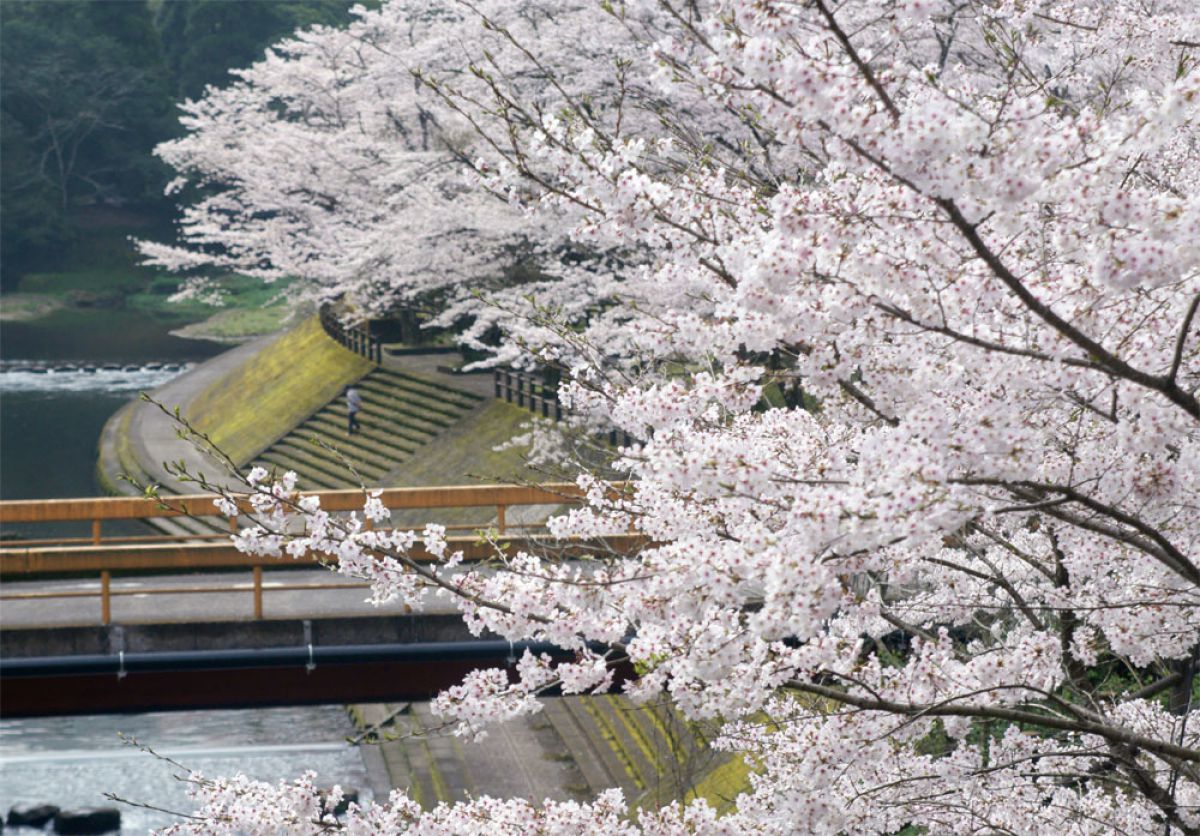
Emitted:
<point x="74" y="761"/>
<point x="50" y="423"/>
<point x="90" y="364"/>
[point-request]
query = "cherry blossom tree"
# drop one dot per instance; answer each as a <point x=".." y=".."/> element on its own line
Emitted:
<point x="915" y="365"/>
<point x="335" y="160"/>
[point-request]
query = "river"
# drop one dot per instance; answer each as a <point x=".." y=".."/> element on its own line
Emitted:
<point x="50" y="423"/>
<point x="74" y="761"/>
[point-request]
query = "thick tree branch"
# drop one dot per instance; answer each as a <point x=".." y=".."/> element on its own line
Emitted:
<point x="1115" y="734"/>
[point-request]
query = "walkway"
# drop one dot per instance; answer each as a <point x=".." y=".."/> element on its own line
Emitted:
<point x="296" y="593"/>
<point x="141" y="437"/>
<point x="430" y="366"/>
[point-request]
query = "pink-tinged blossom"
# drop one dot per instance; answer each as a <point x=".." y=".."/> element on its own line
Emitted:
<point x="911" y="351"/>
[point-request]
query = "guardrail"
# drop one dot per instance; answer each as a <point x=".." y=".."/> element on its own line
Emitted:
<point x="531" y="392"/>
<point x="189" y="552"/>
<point x="528" y="392"/>
<point x="356" y="338"/>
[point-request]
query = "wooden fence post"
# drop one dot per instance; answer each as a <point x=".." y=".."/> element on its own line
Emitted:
<point x="105" y="599"/>
<point x="258" y="592"/>
<point x="96" y="532"/>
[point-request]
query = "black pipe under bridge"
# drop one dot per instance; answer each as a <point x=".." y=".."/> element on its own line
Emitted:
<point x="161" y="667"/>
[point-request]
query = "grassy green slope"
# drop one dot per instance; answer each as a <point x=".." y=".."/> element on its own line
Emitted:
<point x="275" y="390"/>
<point x="721" y="786"/>
<point x="463" y="455"/>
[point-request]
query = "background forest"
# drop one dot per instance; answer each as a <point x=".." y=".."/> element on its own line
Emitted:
<point x="87" y="89"/>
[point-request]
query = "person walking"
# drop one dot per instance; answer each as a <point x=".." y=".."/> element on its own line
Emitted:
<point x="353" y="407"/>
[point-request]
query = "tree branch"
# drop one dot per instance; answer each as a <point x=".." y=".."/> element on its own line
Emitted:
<point x="1115" y="734"/>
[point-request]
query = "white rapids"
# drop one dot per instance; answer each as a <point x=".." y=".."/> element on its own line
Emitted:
<point x="26" y="376"/>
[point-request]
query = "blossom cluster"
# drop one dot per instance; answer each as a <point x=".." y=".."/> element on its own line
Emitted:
<point x="914" y="359"/>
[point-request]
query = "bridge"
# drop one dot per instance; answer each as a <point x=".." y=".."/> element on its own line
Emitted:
<point x="115" y="621"/>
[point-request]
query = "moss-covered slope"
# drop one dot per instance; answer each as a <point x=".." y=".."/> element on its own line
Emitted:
<point x="275" y="390"/>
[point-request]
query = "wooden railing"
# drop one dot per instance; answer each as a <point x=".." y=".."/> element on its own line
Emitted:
<point x="356" y="338"/>
<point x="528" y="392"/>
<point x="98" y="554"/>
<point x="531" y="392"/>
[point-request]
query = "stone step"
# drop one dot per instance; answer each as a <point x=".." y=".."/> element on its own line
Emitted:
<point x="386" y="436"/>
<point x="671" y="730"/>
<point x="625" y="740"/>
<point x="411" y="757"/>
<point x="302" y="449"/>
<point x="313" y="465"/>
<point x="666" y="736"/>
<point x="332" y="448"/>
<point x="360" y="445"/>
<point x="364" y="457"/>
<point x="186" y="526"/>
<point x="387" y="405"/>
<point x="454" y="782"/>
<point x="581" y="750"/>
<point x="378" y="727"/>
<point x="389" y="396"/>
<point x="419" y="385"/>
<point x="203" y="525"/>
<point x="309" y="480"/>
<point x="402" y="410"/>
<point x="400" y="414"/>
<point x="381" y="416"/>
<point x="588" y="744"/>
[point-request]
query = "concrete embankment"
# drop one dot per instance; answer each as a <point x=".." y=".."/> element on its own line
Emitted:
<point x="242" y="399"/>
<point x="575" y="748"/>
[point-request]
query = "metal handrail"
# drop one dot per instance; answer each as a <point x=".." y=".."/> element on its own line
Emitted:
<point x="530" y="391"/>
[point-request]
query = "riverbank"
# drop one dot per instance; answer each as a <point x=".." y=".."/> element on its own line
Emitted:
<point x="251" y="309"/>
<point x="99" y="273"/>
<point x="249" y="397"/>
<point x="243" y="399"/>
<point x="240" y="325"/>
<point x="22" y="307"/>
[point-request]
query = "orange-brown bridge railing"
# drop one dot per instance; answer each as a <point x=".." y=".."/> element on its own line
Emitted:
<point x="29" y="559"/>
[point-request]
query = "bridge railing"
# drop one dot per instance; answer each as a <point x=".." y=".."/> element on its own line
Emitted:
<point x="98" y="509"/>
<point x="27" y="559"/>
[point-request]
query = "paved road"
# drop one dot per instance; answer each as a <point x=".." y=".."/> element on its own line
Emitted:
<point x="154" y="435"/>
<point x="133" y="603"/>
